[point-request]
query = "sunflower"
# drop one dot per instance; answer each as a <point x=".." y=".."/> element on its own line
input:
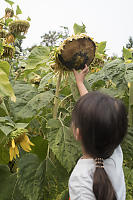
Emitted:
<point x="19" y="138"/>
<point x="74" y="53"/>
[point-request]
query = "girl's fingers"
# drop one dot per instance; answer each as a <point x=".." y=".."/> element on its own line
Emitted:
<point x="75" y="72"/>
<point x="86" y="69"/>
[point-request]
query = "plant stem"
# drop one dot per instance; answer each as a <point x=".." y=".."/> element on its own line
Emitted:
<point x="130" y="112"/>
<point x="56" y="99"/>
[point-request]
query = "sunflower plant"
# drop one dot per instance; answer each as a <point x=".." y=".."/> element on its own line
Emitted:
<point x="17" y="139"/>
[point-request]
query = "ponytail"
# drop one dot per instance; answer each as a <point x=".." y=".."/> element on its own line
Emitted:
<point x="102" y="186"/>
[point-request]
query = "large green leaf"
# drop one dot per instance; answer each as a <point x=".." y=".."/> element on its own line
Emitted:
<point x="8" y="185"/>
<point x="57" y="178"/>
<point x="31" y="177"/>
<point x="129" y="72"/>
<point x="6" y="125"/>
<point x="7" y="181"/>
<point x="4" y="152"/>
<point x="79" y="29"/>
<point x="5" y="86"/>
<point x="3" y="110"/>
<point x="53" y="123"/>
<point x="64" y="146"/>
<point x="115" y="71"/>
<point x="37" y="103"/>
<point x="45" y="80"/>
<point x="24" y="92"/>
<point x="39" y="180"/>
<point x="37" y="56"/>
<point x="40" y="148"/>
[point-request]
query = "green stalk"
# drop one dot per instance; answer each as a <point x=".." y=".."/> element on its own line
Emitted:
<point x="130" y="112"/>
<point x="56" y="99"/>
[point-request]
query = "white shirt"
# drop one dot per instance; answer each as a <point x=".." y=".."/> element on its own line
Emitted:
<point x="81" y="179"/>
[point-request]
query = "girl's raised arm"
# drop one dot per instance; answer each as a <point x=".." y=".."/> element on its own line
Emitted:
<point x="80" y="80"/>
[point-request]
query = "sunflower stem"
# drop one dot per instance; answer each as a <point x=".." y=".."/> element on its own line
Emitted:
<point x="56" y="99"/>
<point x="130" y="112"/>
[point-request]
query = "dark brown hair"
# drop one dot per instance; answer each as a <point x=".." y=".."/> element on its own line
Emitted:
<point x="102" y="123"/>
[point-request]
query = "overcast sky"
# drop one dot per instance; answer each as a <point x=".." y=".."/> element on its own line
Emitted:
<point x="109" y="20"/>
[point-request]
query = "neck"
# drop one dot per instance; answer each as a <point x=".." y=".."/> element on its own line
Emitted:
<point x="85" y="155"/>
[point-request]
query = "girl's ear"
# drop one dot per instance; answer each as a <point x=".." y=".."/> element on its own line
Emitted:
<point x="77" y="135"/>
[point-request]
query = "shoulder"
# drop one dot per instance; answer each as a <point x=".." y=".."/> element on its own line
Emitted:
<point x="117" y="155"/>
<point x="81" y="180"/>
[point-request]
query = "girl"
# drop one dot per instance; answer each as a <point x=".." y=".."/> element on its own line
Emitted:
<point x="100" y="123"/>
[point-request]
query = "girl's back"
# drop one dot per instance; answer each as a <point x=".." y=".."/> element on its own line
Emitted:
<point x="81" y="179"/>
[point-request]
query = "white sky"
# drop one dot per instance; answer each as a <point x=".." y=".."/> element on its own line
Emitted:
<point x="109" y="20"/>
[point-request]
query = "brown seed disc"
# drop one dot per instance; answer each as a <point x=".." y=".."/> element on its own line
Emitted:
<point x="76" y="53"/>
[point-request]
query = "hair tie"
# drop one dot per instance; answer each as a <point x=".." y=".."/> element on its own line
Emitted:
<point x="99" y="162"/>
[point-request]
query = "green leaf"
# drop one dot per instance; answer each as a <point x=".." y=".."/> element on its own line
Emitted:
<point x="31" y="177"/>
<point x="7" y="181"/>
<point x="127" y="54"/>
<point x="129" y="72"/>
<point x="28" y="19"/>
<point x="64" y="195"/>
<point x="40" y="148"/>
<point x="37" y="103"/>
<point x="3" y="110"/>
<point x="38" y="55"/>
<point x="6" y="129"/>
<point x="5" y="86"/>
<point x="53" y="123"/>
<point x="10" y="2"/>
<point x="8" y="185"/>
<point x="18" y="10"/>
<point x="79" y="29"/>
<point x="64" y="146"/>
<point x="5" y="67"/>
<point x="74" y="89"/>
<point x="4" y="152"/>
<point x="24" y="92"/>
<point x="101" y="47"/>
<point x="57" y="178"/>
<point x="21" y="125"/>
<point x="98" y="84"/>
<point x="45" y="80"/>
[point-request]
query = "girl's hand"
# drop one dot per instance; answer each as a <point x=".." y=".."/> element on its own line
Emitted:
<point x="81" y="75"/>
<point x="80" y="80"/>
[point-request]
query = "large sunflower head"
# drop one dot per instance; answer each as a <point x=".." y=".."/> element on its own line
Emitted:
<point x="75" y="52"/>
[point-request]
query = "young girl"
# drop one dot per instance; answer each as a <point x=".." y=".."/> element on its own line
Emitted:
<point x="100" y="123"/>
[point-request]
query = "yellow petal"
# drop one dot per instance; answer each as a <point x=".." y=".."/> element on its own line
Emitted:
<point x="28" y="140"/>
<point x="13" y="143"/>
<point x="11" y="153"/>
<point x="16" y="151"/>
<point x="25" y="146"/>
<point x="129" y="84"/>
<point x="31" y="143"/>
